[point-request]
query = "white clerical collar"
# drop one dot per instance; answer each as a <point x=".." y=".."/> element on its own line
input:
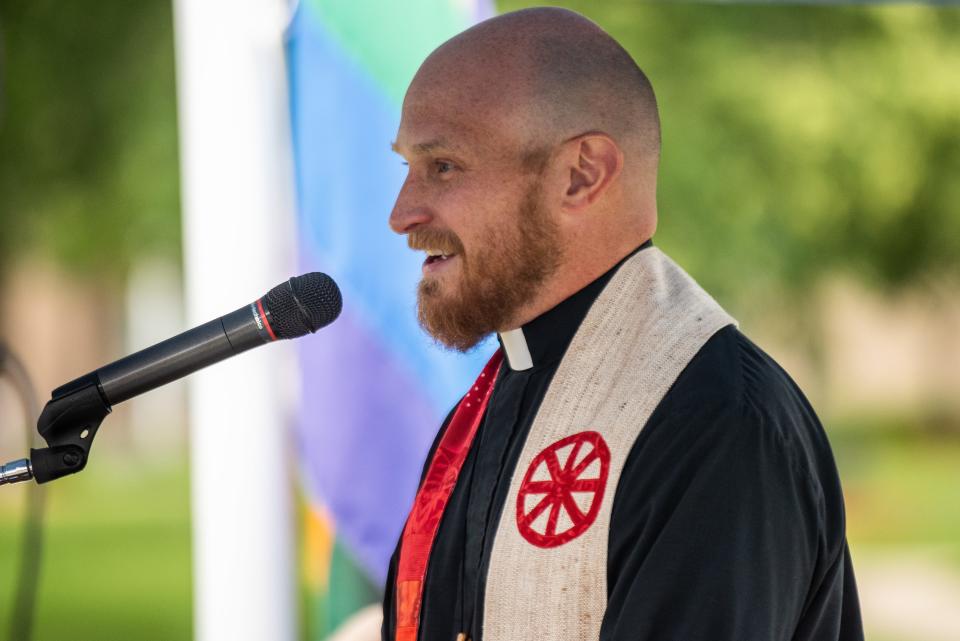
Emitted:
<point x="515" y="346"/>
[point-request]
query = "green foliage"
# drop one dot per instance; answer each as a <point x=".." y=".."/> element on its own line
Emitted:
<point x="797" y="139"/>
<point x="801" y="139"/>
<point x="88" y="148"/>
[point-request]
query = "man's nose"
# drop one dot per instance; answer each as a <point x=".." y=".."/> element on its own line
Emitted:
<point x="409" y="211"/>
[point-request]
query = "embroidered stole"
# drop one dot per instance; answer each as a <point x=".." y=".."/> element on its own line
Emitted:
<point x="547" y="578"/>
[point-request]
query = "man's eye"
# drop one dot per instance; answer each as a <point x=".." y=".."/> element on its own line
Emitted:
<point x="443" y="166"/>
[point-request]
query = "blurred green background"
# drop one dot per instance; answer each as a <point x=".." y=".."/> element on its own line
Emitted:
<point x="810" y="180"/>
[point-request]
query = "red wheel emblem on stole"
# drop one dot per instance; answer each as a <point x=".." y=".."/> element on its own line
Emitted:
<point x="562" y="491"/>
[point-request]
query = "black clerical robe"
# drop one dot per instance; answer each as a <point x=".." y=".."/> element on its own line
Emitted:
<point x="728" y="519"/>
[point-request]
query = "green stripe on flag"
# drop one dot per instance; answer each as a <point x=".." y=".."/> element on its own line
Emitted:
<point x="390" y="39"/>
<point x="347" y="590"/>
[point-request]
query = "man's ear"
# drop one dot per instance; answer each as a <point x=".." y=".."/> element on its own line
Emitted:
<point x="595" y="161"/>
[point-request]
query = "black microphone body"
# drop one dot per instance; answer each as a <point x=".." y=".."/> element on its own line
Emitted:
<point x="71" y="417"/>
<point x="281" y="313"/>
<point x="180" y="355"/>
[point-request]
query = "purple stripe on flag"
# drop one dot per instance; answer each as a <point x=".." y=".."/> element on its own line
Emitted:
<point x="363" y="451"/>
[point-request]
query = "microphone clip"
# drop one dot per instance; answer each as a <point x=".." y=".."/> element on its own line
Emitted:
<point x="68" y="423"/>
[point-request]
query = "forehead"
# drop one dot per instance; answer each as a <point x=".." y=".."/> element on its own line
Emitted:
<point x="431" y="129"/>
<point x="431" y="137"/>
<point x="455" y="117"/>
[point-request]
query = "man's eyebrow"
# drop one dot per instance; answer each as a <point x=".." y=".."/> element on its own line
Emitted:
<point x="424" y="147"/>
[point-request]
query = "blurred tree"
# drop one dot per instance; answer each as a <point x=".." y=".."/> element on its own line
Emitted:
<point x="801" y="139"/>
<point x="88" y="147"/>
<point x="797" y="139"/>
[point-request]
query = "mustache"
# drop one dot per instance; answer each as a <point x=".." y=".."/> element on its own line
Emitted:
<point x="440" y="239"/>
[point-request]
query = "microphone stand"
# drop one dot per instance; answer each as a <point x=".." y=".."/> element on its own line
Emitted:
<point x="68" y="423"/>
<point x="25" y="595"/>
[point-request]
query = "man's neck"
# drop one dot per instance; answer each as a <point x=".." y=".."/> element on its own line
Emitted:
<point x="571" y="277"/>
<point x="543" y="340"/>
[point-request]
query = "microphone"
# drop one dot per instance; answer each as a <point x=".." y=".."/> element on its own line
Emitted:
<point x="292" y="309"/>
<point x="300" y="306"/>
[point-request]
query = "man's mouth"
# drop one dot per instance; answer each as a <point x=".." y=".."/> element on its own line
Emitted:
<point x="436" y="256"/>
<point x="436" y="260"/>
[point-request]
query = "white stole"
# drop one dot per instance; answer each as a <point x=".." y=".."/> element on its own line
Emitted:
<point x="547" y="581"/>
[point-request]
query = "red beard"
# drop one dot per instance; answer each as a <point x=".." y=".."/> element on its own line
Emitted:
<point x="495" y="280"/>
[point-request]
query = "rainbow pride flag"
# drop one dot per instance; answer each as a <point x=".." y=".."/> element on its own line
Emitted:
<point x="374" y="387"/>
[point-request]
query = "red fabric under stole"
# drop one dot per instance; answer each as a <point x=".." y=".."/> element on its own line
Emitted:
<point x="432" y="498"/>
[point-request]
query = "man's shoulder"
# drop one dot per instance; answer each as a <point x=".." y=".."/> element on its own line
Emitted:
<point x="734" y="435"/>
<point x="731" y="374"/>
<point x="734" y="392"/>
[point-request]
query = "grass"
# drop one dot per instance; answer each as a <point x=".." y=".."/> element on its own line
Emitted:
<point x="116" y="555"/>
<point x="902" y="489"/>
<point x="902" y="493"/>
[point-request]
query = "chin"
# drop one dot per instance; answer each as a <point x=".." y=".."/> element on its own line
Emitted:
<point x="442" y="285"/>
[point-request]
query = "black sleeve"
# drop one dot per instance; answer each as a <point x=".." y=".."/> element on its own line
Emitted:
<point x="721" y="528"/>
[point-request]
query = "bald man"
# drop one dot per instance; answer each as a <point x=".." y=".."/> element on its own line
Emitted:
<point x="628" y="466"/>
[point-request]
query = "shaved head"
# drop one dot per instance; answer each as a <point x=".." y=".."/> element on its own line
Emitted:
<point x="553" y="74"/>
<point x="532" y="141"/>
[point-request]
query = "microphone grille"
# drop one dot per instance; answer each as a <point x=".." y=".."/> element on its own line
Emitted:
<point x="303" y="304"/>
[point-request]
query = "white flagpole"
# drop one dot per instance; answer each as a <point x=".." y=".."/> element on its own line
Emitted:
<point x="237" y="186"/>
